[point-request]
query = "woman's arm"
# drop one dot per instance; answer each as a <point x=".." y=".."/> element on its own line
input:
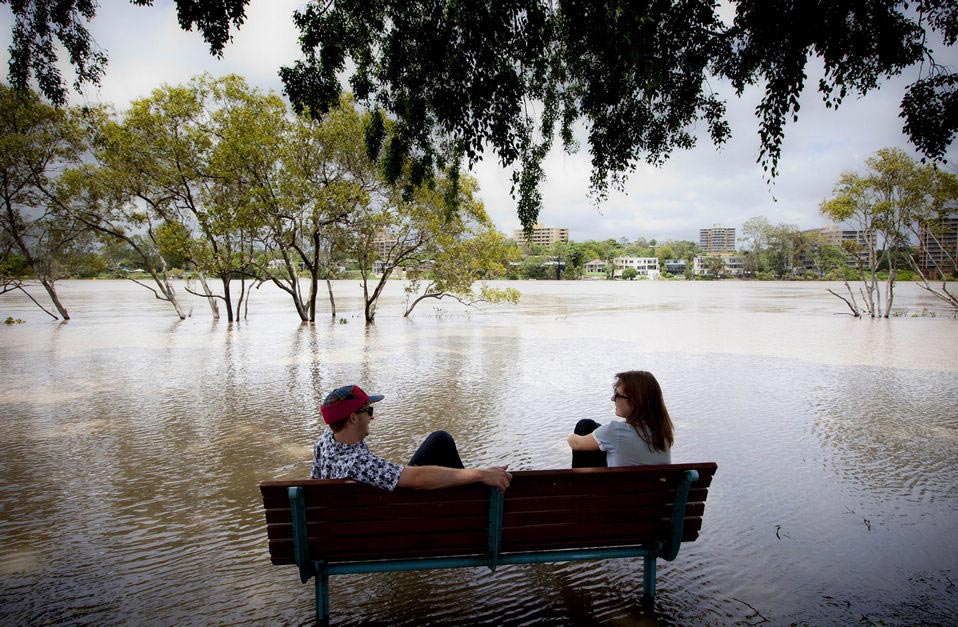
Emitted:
<point x="582" y="442"/>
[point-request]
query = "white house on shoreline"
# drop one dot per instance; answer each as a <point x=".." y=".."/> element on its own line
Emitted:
<point x="594" y="267"/>
<point x="647" y="267"/>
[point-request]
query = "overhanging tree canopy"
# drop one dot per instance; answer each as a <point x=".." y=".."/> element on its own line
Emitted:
<point x="463" y="76"/>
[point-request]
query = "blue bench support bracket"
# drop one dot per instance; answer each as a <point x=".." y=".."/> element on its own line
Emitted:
<point x="678" y="514"/>
<point x="307" y="567"/>
<point x="297" y="506"/>
<point x="496" y="499"/>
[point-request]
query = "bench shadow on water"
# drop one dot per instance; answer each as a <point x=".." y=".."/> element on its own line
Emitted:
<point x="132" y="446"/>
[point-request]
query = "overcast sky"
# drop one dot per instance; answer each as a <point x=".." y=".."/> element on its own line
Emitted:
<point x="694" y="189"/>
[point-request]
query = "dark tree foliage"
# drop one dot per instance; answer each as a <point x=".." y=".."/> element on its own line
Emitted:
<point x="40" y="25"/>
<point x="211" y="17"/>
<point x="463" y="76"/>
<point x="37" y="28"/>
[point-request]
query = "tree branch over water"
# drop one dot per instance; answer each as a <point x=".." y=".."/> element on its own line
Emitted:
<point x="508" y="77"/>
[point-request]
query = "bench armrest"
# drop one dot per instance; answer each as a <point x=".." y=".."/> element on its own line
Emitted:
<point x="297" y="506"/>
<point x="670" y="550"/>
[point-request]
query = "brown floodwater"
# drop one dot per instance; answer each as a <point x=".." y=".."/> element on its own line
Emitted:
<point x="132" y="442"/>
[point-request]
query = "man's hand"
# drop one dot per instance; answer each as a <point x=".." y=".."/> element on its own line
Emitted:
<point x="496" y="476"/>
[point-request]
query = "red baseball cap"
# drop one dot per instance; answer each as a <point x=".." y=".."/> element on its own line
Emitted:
<point x="343" y="401"/>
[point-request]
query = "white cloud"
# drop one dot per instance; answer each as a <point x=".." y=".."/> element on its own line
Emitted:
<point x="694" y="189"/>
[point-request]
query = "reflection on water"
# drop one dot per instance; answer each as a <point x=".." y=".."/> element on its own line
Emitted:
<point x="132" y="444"/>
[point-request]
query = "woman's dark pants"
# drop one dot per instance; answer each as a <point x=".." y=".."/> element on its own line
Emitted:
<point x="587" y="459"/>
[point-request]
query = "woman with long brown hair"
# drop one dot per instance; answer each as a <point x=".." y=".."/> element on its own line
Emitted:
<point x="644" y="438"/>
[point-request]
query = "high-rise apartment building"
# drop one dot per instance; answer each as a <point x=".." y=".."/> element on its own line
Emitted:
<point x="938" y="248"/>
<point x="384" y="241"/>
<point x="717" y="240"/>
<point x="543" y="235"/>
<point x="835" y="236"/>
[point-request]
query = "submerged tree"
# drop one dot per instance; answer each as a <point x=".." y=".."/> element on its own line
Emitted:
<point x="321" y="181"/>
<point x="756" y="233"/>
<point x="112" y="197"/>
<point x="934" y="229"/>
<point x="461" y="78"/>
<point x="185" y="147"/>
<point x="467" y="249"/>
<point x="36" y="143"/>
<point x="895" y="199"/>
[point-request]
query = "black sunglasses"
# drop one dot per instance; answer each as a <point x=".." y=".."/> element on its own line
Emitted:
<point x="616" y="396"/>
<point x="368" y="409"/>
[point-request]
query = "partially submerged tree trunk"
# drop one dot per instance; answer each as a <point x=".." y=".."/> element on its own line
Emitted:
<point x="332" y="300"/>
<point x="166" y="291"/>
<point x="486" y="295"/>
<point x="429" y="292"/>
<point x="164" y="288"/>
<point x="941" y="294"/>
<point x="50" y="287"/>
<point x="209" y="295"/>
<point x="850" y="301"/>
<point x="8" y="284"/>
<point x="227" y="300"/>
<point x="16" y="227"/>
<point x="370" y="301"/>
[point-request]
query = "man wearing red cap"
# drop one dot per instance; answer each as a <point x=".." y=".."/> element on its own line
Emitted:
<point x="341" y="452"/>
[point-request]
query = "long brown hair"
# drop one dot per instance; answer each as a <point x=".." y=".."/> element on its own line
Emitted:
<point x="648" y="408"/>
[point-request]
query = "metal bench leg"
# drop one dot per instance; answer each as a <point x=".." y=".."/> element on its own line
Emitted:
<point x="322" y="596"/>
<point x="648" y="579"/>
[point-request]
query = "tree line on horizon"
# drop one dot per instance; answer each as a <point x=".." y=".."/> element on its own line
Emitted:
<point x="442" y="83"/>
<point x="632" y="81"/>
<point x="221" y="179"/>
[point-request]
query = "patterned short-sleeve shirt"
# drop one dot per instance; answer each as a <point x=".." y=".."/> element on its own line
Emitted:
<point x="334" y="460"/>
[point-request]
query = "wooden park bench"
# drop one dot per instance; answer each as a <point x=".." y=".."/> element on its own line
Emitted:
<point x="331" y="527"/>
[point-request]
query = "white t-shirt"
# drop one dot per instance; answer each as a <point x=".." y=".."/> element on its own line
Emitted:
<point x="624" y="447"/>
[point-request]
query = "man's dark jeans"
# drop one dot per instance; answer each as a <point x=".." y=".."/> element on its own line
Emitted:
<point x="438" y="449"/>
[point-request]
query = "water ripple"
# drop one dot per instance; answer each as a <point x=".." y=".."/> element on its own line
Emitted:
<point x="132" y="446"/>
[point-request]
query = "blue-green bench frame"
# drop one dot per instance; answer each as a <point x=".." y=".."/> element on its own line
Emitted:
<point x="338" y="527"/>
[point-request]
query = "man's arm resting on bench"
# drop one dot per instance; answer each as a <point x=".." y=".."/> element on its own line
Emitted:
<point x="433" y="477"/>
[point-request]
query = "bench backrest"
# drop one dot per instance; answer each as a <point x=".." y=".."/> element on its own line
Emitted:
<point x="541" y="510"/>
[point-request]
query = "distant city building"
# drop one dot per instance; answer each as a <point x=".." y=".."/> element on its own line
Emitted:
<point x="594" y="266"/>
<point x="275" y="264"/>
<point x="717" y="240"/>
<point x="732" y="265"/>
<point x="675" y="266"/>
<point x="542" y="235"/>
<point x="938" y="250"/>
<point x="836" y="236"/>
<point x="644" y="266"/>
<point x="384" y="241"/>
